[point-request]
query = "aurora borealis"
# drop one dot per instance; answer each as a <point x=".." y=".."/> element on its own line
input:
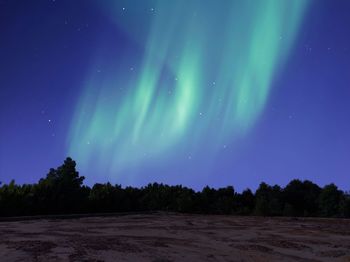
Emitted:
<point x="191" y="92"/>
<point x="202" y="79"/>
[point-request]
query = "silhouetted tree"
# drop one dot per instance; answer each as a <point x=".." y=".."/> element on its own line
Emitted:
<point x="268" y="200"/>
<point x="301" y="198"/>
<point x="345" y="205"/>
<point x="207" y="201"/>
<point x="225" y="203"/>
<point x="106" y="198"/>
<point x="245" y="202"/>
<point x="329" y="201"/>
<point x="186" y="200"/>
<point x="62" y="191"/>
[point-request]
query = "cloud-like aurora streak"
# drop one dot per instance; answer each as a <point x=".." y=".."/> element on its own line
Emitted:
<point x="203" y="78"/>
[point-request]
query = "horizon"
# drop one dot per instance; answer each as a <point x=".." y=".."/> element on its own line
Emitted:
<point x="196" y="189"/>
<point x="184" y="93"/>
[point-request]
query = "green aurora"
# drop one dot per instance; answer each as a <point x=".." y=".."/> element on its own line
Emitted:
<point x="202" y="77"/>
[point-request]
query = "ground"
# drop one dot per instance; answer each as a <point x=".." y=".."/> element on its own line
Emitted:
<point x="175" y="237"/>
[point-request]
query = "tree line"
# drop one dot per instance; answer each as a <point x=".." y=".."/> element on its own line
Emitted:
<point x="63" y="192"/>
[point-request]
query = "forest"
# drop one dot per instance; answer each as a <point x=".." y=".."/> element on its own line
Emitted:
<point x="63" y="192"/>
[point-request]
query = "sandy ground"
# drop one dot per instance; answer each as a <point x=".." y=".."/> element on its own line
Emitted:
<point x="174" y="237"/>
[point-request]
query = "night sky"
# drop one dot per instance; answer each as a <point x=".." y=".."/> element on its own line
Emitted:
<point x="185" y="92"/>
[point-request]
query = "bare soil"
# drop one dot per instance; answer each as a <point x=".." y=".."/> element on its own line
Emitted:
<point x="165" y="237"/>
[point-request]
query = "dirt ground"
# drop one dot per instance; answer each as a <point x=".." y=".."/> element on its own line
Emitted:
<point x="175" y="237"/>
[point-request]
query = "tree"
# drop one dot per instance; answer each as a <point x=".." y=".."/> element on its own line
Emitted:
<point x="62" y="191"/>
<point x="245" y="202"/>
<point x="329" y="201"/>
<point x="186" y="200"/>
<point x="301" y="198"/>
<point x="262" y="195"/>
<point x="345" y="206"/>
<point x="225" y="200"/>
<point x="207" y="200"/>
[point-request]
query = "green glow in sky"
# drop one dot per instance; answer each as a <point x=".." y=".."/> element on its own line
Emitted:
<point x="202" y="76"/>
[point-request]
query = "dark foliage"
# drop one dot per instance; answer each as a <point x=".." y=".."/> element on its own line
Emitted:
<point x="63" y="192"/>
